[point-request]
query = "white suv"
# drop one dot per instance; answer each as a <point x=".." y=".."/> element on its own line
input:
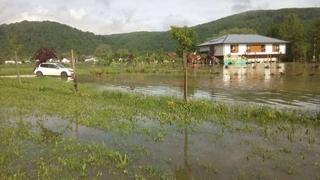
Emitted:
<point x="53" y="69"/>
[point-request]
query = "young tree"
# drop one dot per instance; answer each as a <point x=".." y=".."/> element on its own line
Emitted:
<point x="292" y="30"/>
<point x="15" y="48"/>
<point x="122" y="53"/>
<point x="104" y="52"/>
<point x="43" y="55"/>
<point x="187" y="40"/>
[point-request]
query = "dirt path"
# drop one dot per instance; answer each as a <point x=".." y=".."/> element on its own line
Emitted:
<point x="22" y="76"/>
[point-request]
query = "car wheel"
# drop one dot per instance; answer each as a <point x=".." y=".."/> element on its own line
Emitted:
<point x="39" y="74"/>
<point x="64" y="75"/>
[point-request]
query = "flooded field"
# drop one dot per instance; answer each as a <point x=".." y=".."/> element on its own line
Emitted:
<point x="47" y="131"/>
<point x="288" y="85"/>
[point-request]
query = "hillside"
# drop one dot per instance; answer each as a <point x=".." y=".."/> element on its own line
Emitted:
<point x="260" y="20"/>
<point x="33" y="35"/>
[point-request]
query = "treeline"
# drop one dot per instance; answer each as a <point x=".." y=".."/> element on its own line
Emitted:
<point x="299" y="26"/>
<point x="304" y="40"/>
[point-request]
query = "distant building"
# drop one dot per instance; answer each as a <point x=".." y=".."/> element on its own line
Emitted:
<point x="91" y="59"/>
<point x="65" y="61"/>
<point x="251" y="47"/>
<point x="12" y="62"/>
<point x="53" y="60"/>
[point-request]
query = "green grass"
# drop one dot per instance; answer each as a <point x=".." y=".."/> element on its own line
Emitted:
<point x="10" y="69"/>
<point x="98" y="70"/>
<point x="55" y="97"/>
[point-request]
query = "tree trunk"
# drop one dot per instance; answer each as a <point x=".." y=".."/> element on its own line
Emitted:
<point x="75" y="82"/>
<point x="17" y="67"/>
<point x="185" y="85"/>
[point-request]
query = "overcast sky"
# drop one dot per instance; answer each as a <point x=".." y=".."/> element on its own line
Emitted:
<point x="118" y="16"/>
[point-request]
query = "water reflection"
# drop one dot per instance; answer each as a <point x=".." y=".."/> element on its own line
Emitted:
<point x="289" y="85"/>
<point x="185" y="172"/>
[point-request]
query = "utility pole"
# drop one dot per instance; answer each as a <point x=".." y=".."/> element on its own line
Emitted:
<point x="75" y="83"/>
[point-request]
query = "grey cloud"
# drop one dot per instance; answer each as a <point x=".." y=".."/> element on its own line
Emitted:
<point x="117" y="16"/>
<point x="175" y="20"/>
<point x="104" y="2"/>
<point x="241" y="5"/>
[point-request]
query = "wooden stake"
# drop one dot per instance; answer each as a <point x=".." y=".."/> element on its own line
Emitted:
<point x="75" y="83"/>
<point x="185" y="63"/>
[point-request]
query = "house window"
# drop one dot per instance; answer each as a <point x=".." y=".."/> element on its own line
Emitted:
<point x="275" y="47"/>
<point x="234" y="48"/>
<point x="248" y="48"/>
<point x="263" y="48"/>
<point x="256" y="48"/>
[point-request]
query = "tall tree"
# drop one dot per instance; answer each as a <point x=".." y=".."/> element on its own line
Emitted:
<point x="187" y="39"/>
<point x="292" y="30"/>
<point x="15" y="48"/>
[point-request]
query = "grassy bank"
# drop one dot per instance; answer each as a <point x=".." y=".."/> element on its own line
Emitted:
<point x="96" y="70"/>
<point x="55" y="97"/>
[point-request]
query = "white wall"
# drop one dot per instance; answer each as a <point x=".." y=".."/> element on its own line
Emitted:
<point x="226" y="49"/>
<point x="269" y="48"/>
<point x="242" y="49"/>
<point x="283" y="48"/>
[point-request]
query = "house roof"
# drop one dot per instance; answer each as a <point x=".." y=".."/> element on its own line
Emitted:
<point x="242" y="38"/>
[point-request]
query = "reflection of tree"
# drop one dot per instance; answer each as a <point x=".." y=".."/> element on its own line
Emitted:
<point x="185" y="171"/>
<point x="193" y="84"/>
<point x="48" y="135"/>
<point x="76" y="129"/>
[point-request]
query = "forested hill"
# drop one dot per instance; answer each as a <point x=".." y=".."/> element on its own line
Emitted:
<point x="33" y="35"/>
<point x="260" y="20"/>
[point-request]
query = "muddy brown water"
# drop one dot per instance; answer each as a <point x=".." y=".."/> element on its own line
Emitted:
<point x="284" y="85"/>
<point x="204" y="151"/>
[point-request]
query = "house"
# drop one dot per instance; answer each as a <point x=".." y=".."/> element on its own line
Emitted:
<point x="91" y="59"/>
<point x="65" y="61"/>
<point x="12" y="62"/>
<point x="244" y="48"/>
<point x="53" y="60"/>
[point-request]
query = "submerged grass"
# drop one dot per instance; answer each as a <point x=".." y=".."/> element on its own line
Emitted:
<point x="55" y="156"/>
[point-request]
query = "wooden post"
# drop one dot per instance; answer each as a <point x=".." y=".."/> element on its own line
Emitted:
<point x="75" y="83"/>
<point x="17" y="67"/>
<point x="185" y="64"/>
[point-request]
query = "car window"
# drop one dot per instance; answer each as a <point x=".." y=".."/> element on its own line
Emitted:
<point x="60" y="65"/>
<point x="52" y="66"/>
<point x="44" y="65"/>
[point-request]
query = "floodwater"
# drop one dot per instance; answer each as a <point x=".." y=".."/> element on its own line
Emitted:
<point x="284" y="85"/>
<point x="206" y="152"/>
